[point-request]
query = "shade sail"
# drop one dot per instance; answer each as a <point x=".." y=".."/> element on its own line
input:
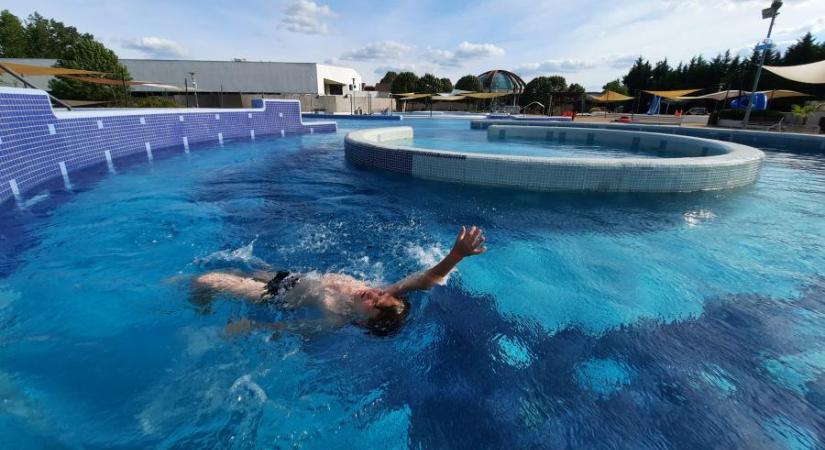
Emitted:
<point x="104" y="81"/>
<point x="448" y="98"/>
<point x="813" y="73"/>
<point x="673" y="95"/>
<point x="26" y="69"/>
<point x="416" y="96"/>
<point x="487" y="95"/>
<point x="731" y="94"/>
<point x="610" y="96"/>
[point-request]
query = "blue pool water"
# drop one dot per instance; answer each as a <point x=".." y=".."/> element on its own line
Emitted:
<point x="600" y="321"/>
<point x="432" y="136"/>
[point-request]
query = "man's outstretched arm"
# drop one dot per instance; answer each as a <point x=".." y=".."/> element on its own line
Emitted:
<point x="467" y="243"/>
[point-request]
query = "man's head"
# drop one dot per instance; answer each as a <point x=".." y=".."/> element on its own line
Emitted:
<point x="384" y="313"/>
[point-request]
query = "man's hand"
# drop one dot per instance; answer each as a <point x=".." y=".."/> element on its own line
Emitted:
<point x="469" y="243"/>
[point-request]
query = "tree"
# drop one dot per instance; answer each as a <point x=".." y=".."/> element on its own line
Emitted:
<point x="88" y="54"/>
<point x="639" y="76"/>
<point x="545" y="85"/>
<point x="804" y="51"/>
<point x="48" y="38"/>
<point x="389" y="77"/>
<point x="429" y="84"/>
<point x="616" y="86"/>
<point x="576" y="88"/>
<point x="468" y="83"/>
<point x="404" y="82"/>
<point x="446" y="85"/>
<point x="12" y="36"/>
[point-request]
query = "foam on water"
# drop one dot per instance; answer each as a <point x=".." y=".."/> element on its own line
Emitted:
<point x="241" y="255"/>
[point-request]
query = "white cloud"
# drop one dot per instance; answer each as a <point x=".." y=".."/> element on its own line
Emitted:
<point x="815" y="26"/>
<point x="377" y="51"/>
<point x="621" y="61"/>
<point x="551" y="66"/>
<point x="156" y="47"/>
<point x="556" y="66"/>
<point x="466" y="51"/>
<point x="305" y="16"/>
<point x="382" y="70"/>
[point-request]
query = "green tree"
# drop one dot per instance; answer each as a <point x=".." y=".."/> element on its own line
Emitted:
<point x="576" y="88"/>
<point x="405" y="82"/>
<point x="12" y="36"/>
<point x="429" y="84"/>
<point x="545" y="85"/>
<point x="639" y="76"/>
<point x="88" y="54"/>
<point x="446" y="85"/>
<point x="48" y="38"/>
<point x="389" y="77"/>
<point x="804" y="51"/>
<point x="468" y="83"/>
<point x="616" y="86"/>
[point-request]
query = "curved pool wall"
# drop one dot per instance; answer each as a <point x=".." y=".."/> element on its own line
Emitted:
<point x="707" y="164"/>
<point x="38" y="144"/>
<point x="378" y="117"/>
<point x="795" y="142"/>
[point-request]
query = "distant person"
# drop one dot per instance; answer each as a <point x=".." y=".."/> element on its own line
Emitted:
<point x="573" y="116"/>
<point x="340" y="298"/>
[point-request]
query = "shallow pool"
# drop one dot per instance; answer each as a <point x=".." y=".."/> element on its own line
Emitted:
<point x="610" y="321"/>
<point x="433" y="136"/>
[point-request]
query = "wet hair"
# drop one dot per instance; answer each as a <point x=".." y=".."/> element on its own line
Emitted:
<point x="389" y="319"/>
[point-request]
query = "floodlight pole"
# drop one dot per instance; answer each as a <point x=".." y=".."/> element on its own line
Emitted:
<point x="775" y="12"/>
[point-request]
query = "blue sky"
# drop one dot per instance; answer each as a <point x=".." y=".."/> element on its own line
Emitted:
<point x="586" y="41"/>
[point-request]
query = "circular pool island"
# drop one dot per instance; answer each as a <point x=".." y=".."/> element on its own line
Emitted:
<point x="655" y="162"/>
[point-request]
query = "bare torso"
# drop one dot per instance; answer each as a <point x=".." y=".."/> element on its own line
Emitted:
<point x="332" y="293"/>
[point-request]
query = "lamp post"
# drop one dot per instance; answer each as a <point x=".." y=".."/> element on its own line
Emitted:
<point x="767" y="13"/>
<point x="194" y="88"/>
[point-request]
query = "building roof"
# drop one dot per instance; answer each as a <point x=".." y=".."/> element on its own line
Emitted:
<point x="226" y="76"/>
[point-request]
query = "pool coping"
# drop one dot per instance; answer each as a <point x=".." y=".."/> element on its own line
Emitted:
<point x="737" y="165"/>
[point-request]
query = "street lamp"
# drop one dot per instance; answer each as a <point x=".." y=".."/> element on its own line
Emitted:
<point x="194" y="88"/>
<point x="767" y="13"/>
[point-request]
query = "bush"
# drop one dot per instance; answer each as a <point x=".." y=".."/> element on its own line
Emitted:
<point x="155" y="102"/>
<point x="739" y="114"/>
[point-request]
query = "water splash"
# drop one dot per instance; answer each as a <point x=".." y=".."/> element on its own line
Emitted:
<point x="244" y="390"/>
<point x="239" y="255"/>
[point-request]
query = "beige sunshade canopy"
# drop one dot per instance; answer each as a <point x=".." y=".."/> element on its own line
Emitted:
<point x="416" y="96"/>
<point x="486" y="95"/>
<point x="448" y="98"/>
<point x="731" y="94"/>
<point x="610" y="96"/>
<point x="26" y="69"/>
<point x="813" y="73"/>
<point x="673" y="95"/>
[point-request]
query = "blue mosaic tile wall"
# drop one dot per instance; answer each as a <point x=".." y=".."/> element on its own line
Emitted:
<point x="35" y="141"/>
<point x="394" y="118"/>
<point x="793" y="142"/>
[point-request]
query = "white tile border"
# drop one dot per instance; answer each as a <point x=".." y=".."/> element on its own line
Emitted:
<point x="732" y="165"/>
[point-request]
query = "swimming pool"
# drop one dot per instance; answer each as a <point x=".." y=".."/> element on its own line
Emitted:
<point x="613" y="320"/>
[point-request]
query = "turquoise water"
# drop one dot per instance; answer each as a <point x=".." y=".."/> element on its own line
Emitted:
<point x="627" y="321"/>
<point x="475" y="141"/>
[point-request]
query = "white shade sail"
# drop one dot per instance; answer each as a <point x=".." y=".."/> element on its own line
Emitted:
<point x="813" y="73"/>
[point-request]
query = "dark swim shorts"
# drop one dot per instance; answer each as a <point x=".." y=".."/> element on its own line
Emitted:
<point x="280" y="283"/>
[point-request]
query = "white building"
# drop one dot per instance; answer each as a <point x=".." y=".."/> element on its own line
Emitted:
<point x="226" y="83"/>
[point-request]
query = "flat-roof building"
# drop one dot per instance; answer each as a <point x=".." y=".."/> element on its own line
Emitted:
<point x="224" y="83"/>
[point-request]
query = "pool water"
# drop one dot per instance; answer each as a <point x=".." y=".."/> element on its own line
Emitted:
<point x="431" y="135"/>
<point x="606" y="321"/>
